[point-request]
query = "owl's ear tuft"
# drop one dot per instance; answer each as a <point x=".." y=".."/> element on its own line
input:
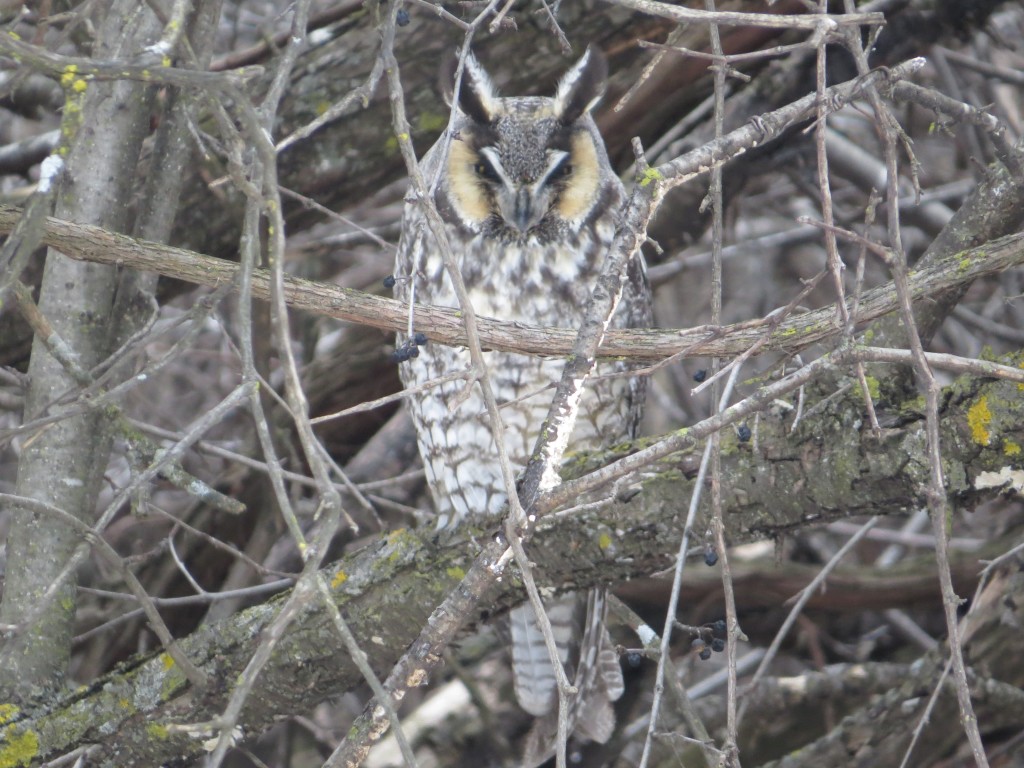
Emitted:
<point x="476" y="92"/>
<point x="581" y="87"/>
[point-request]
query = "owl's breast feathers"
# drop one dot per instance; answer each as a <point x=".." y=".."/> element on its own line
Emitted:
<point x="531" y="205"/>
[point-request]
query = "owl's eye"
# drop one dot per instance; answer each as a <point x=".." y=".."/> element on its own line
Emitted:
<point x="485" y="171"/>
<point x="562" y="171"/>
<point x="560" y="167"/>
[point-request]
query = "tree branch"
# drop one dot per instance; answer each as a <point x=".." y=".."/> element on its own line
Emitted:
<point x="143" y="710"/>
<point x="445" y="325"/>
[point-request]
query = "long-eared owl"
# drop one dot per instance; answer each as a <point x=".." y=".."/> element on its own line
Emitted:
<point x="530" y="204"/>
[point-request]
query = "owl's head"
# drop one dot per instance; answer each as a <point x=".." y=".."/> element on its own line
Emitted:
<point x="528" y="166"/>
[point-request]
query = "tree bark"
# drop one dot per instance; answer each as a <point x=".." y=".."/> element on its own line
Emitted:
<point x="953" y="271"/>
<point x="138" y="715"/>
<point x="63" y="463"/>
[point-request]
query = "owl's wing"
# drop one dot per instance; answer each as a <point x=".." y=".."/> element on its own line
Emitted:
<point x="414" y="230"/>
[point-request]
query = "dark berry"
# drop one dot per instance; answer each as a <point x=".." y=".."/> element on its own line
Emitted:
<point x="389" y="281"/>
<point x="413" y="352"/>
<point x="718" y="645"/>
<point x="402" y="17"/>
<point x="419" y="339"/>
<point x="700" y="375"/>
<point x="718" y="628"/>
<point x="705" y="654"/>
<point x="401" y="354"/>
<point x="743" y="433"/>
<point x="710" y="557"/>
<point x="697" y="644"/>
<point x="634" y="659"/>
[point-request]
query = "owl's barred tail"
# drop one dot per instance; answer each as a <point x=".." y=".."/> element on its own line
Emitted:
<point x="582" y="641"/>
<point x="535" y="682"/>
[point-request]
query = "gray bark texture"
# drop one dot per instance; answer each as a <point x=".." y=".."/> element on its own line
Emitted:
<point x="64" y="464"/>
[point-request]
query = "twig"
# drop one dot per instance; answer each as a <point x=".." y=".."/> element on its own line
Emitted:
<point x="805" y="594"/>
<point x="683" y="14"/>
<point x="938" y="504"/>
<point x="961" y="112"/>
<point x="309" y="586"/>
<point x="140" y="480"/>
<point x="195" y="675"/>
<point x="677" y="580"/>
<point x="652" y="643"/>
<point x="720" y="398"/>
<point x="426" y="653"/>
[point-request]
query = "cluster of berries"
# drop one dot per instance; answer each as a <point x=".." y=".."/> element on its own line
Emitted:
<point x="711" y="639"/>
<point x="707" y="639"/>
<point x="409" y="349"/>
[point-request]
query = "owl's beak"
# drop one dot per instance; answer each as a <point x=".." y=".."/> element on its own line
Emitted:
<point x="525" y="213"/>
<point x="524" y="210"/>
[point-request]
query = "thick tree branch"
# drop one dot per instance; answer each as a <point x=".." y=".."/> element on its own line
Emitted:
<point x="829" y="469"/>
<point x="949" y="273"/>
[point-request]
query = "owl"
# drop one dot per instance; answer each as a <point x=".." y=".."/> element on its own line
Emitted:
<point x="530" y="205"/>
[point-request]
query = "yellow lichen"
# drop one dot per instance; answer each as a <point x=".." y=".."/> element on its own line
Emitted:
<point x="650" y="175"/>
<point x="604" y="541"/>
<point x="456" y="573"/>
<point x="978" y="419"/>
<point x="7" y="713"/>
<point x="1010" y="448"/>
<point x="339" y="578"/>
<point x="396" y="536"/>
<point x="70" y="78"/>
<point x="17" y="747"/>
<point x="874" y="388"/>
<point x="166" y="660"/>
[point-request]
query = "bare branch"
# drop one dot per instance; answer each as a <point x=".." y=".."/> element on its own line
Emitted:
<point x="445" y="325"/>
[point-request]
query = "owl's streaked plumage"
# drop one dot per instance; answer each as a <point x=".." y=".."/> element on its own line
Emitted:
<point x="531" y="205"/>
